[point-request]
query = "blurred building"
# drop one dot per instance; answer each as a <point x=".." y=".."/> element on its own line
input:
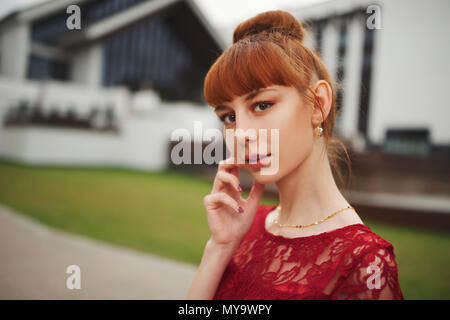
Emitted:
<point x="166" y="45"/>
<point x="393" y="79"/>
<point x="390" y="61"/>
<point x="109" y="93"/>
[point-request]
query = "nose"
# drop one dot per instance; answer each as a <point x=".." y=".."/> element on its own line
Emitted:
<point x="245" y="129"/>
<point x="246" y="134"/>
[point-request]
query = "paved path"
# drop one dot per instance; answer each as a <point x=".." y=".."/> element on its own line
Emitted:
<point x="34" y="259"/>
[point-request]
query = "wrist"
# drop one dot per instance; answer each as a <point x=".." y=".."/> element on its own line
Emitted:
<point x="211" y="244"/>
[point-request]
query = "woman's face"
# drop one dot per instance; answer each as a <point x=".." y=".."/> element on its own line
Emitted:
<point x="275" y="107"/>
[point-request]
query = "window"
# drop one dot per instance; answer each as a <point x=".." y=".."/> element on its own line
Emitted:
<point x="41" y="68"/>
<point x="340" y="73"/>
<point x="407" y="141"/>
<point x="366" y="75"/>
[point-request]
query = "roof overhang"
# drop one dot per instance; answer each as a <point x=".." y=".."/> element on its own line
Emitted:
<point x="46" y="8"/>
<point x="112" y="23"/>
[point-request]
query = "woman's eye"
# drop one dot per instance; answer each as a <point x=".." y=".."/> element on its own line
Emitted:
<point x="230" y="117"/>
<point x="262" y="105"/>
<point x="227" y="116"/>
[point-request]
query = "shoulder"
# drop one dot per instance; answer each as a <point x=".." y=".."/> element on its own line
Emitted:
<point x="362" y="237"/>
<point x="369" y="269"/>
<point x="365" y="247"/>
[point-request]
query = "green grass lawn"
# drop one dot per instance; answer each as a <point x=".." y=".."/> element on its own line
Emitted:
<point x="162" y="213"/>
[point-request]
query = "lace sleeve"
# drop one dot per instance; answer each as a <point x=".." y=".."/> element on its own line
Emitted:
<point x="372" y="276"/>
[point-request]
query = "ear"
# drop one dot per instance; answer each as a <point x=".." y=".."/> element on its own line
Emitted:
<point x="324" y="95"/>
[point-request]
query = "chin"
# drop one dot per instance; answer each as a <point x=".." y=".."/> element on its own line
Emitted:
<point x="264" y="178"/>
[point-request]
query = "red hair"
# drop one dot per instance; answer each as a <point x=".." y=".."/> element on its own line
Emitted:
<point x="268" y="50"/>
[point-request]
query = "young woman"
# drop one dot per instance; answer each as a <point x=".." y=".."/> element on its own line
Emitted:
<point x="313" y="245"/>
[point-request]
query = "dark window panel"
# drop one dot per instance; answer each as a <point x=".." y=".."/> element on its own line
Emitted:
<point x="50" y="28"/>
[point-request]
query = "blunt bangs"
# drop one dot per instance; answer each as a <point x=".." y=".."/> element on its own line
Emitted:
<point x="247" y="66"/>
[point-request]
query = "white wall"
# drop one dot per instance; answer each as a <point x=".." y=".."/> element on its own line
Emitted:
<point x="142" y="141"/>
<point x="140" y="144"/>
<point x="410" y="85"/>
<point x="14" y="48"/>
<point x="410" y="67"/>
<point x="86" y="66"/>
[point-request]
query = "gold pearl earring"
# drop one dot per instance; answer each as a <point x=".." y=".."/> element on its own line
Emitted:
<point x="319" y="131"/>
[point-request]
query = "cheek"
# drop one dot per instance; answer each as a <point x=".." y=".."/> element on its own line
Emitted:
<point x="229" y="139"/>
<point x="295" y="141"/>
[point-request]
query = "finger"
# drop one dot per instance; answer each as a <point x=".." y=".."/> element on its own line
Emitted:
<point x="255" y="193"/>
<point x="223" y="179"/>
<point x="229" y="163"/>
<point x="215" y="200"/>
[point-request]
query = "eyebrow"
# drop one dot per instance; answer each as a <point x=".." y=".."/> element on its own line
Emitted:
<point x="248" y="97"/>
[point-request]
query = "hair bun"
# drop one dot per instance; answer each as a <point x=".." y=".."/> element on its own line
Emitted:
<point x="270" y="21"/>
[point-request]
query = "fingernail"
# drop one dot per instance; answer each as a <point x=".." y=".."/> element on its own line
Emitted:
<point x="240" y="188"/>
<point x="240" y="210"/>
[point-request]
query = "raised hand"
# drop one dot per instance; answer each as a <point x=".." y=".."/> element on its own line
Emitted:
<point x="229" y="215"/>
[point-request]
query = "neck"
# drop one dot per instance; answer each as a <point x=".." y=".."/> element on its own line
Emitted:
<point x="309" y="193"/>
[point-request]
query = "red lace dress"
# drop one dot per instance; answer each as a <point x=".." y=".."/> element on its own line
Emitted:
<point x="351" y="262"/>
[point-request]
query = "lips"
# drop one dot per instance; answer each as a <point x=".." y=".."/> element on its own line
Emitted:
<point x="262" y="161"/>
<point x="255" y="157"/>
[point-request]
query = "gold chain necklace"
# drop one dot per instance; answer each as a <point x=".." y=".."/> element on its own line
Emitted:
<point x="307" y="225"/>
